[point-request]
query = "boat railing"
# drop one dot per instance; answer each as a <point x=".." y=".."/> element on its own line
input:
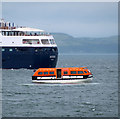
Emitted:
<point x="7" y="28"/>
<point x="19" y="33"/>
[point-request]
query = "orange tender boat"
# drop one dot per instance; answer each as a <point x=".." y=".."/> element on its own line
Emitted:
<point x="62" y="75"/>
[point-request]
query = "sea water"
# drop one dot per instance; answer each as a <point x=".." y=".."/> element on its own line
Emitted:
<point x="22" y="98"/>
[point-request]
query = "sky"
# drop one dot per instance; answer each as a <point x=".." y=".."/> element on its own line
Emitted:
<point x="79" y="19"/>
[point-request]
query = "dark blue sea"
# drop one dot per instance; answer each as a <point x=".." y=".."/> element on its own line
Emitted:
<point x="22" y="98"/>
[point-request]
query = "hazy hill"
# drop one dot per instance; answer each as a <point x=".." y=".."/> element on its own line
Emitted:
<point x="70" y="44"/>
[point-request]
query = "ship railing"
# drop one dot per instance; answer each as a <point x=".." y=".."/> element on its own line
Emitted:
<point x="17" y="33"/>
<point x="7" y="28"/>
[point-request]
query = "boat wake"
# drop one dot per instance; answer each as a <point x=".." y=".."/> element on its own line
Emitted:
<point x="67" y="84"/>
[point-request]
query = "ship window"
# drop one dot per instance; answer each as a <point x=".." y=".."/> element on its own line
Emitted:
<point x="10" y="50"/>
<point x="65" y="72"/>
<point x="3" y="49"/>
<point x="45" y="72"/>
<point x="44" y="41"/>
<point x="73" y="72"/>
<point x="10" y="33"/>
<point x="85" y="71"/>
<point x="7" y="33"/>
<point x="39" y="73"/>
<point x="38" y="49"/>
<point x="31" y="41"/>
<point x="52" y="72"/>
<point x="21" y="49"/>
<point x="80" y="72"/>
<point x="21" y="33"/>
<point x="4" y="33"/>
<point x="43" y="49"/>
<point x="54" y="49"/>
<point x="16" y="33"/>
<point x="52" y="41"/>
<point x="48" y="49"/>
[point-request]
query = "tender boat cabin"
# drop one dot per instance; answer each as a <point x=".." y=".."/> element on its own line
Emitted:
<point x="71" y="73"/>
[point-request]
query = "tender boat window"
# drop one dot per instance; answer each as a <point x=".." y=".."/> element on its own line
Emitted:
<point x="80" y="72"/>
<point x="39" y="73"/>
<point x="45" y="72"/>
<point x="45" y="41"/>
<point x="52" y="72"/>
<point x="73" y="72"/>
<point x="31" y="41"/>
<point x="65" y="72"/>
<point x="85" y="71"/>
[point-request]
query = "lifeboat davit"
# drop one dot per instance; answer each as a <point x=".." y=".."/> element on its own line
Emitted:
<point x="62" y="75"/>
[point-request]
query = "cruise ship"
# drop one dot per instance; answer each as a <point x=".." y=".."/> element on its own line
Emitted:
<point x="24" y="47"/>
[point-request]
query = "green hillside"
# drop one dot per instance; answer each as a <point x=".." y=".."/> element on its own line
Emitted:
<point x="70" y="44"/>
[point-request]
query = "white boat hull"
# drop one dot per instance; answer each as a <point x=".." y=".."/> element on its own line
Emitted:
<point x="62" y="81"/>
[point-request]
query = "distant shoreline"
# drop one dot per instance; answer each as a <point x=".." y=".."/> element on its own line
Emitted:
<point x="69" y="44"/>
<point x="116" y="54"/>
